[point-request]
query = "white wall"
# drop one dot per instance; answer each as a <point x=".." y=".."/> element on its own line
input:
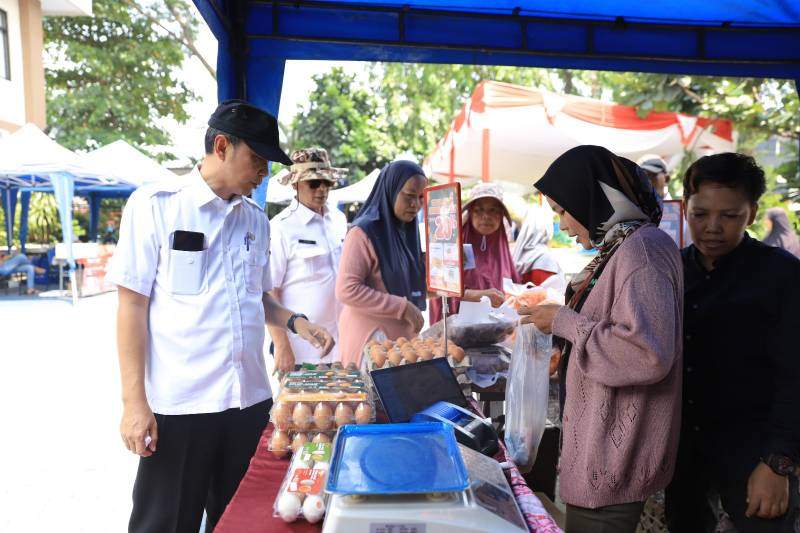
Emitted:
<point x="12" y="93"/>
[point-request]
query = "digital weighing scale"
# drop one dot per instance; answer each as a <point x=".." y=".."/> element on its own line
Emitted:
<point x="394" y="500"/>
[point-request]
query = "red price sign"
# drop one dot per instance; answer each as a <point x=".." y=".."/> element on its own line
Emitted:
<point x="444" y="251"/>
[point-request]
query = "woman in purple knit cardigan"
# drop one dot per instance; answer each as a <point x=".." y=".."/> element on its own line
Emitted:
<point x="620" y="339"/>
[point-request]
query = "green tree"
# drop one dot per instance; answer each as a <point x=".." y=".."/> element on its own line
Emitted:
<point x="343" y="117"/>
<point x="114" y="75"/>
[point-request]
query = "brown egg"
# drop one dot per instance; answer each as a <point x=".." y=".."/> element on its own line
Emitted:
<point x="425" y="354"/>
<point x="279" y="443"/>
<point x="323" y="416"/>
<point x="456" y="353"/>
<point x="364" y="413"/>
<point x="282" y="415"/>
<point x="395" y="357"/>
<point x="302" y="416"/>
<point x="401" y="341"/>
<point x="298" y="441"/>
<point x="438" y="351"/>
<point x="378" y="359"/>
<point x="320" y="437"/>
<point x="388" y="344"/>
<point x="344" y="415"/>
<point x="410" y="356"/>
<point x="373" y="344"/>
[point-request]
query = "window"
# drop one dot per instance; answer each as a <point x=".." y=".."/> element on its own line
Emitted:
<point x="5" y="58"/>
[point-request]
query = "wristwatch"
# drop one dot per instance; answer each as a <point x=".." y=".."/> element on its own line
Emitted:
<point x="292" y="319"/>
<point x="780" y="464"/>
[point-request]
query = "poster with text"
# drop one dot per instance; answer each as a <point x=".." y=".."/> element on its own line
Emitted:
<point x="672" y="221"/>
<point x="444" y="258"/>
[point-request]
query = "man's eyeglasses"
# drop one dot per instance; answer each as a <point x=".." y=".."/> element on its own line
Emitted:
<point x="316" y="184"/>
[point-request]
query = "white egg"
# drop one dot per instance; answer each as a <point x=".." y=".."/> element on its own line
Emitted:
<point x="289" y="507"/>
<point x="314" y="509"/>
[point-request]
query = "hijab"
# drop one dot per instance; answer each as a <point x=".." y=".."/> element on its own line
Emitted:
<point x="782" y="234"/>
<point x="531" y="251"/>
<point x="612" y="198"/>
<point x="396" y="243"/>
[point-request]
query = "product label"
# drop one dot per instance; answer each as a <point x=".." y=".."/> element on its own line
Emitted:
<point x="397" y="528"/>
<point x="316" y="452"/>
<point x="307" y="481"/>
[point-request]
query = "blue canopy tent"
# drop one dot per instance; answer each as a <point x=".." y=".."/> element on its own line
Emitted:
<point x="715" y="37"/>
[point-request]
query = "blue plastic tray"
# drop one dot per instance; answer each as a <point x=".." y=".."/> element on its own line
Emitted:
<point x="397" y="459"/>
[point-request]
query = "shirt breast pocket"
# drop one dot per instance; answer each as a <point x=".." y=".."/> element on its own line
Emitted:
<point x="253" y="260"/>
<point x="313" y="258"/>
<point x="187" y="272"/>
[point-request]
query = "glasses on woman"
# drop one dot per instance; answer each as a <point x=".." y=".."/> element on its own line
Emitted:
<point x="316" y="184"/>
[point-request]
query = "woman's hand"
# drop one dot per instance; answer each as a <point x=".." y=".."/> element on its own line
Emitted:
<point x="541" y="316"/>
<point x="413" y="316"/>
<point x="495" y="296"/>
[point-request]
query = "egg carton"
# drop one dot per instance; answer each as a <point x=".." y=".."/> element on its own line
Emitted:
<point x="321" y="416"/>
<point x="459" y="367"/>
<point x="324" y="383"/>
<point x="302" y="493"/>
<point x="369" y="364"/>
<point x="283" y="443"/>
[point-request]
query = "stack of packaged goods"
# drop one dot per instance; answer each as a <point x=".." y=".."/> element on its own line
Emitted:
<point x="314" y="402"/>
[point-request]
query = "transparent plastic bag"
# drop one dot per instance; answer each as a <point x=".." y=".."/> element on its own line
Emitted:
<point x="476" y="324"/>
<point x="527" y="395"/>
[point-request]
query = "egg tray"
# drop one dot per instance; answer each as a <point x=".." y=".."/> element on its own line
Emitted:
<point x="324" y="384"/>
<point x="369" y="366"/>
<point x="458" y="367"/>
<point x="277" y="442"/>
<point x="302" y="492"/>
<point x="320" y="416"/>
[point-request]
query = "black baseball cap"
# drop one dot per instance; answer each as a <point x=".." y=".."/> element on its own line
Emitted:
<point x="257" y="128"/>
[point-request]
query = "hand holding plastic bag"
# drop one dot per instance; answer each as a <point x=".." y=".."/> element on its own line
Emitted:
<point x="527" y="395"/>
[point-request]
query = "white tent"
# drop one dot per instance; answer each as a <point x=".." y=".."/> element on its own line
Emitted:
<point x="28" y="157"/>
<point x="512" y="133"/>
<point x="126" y="165"/>
<point x="277" y="193"/>
<point x="357" y="192"/>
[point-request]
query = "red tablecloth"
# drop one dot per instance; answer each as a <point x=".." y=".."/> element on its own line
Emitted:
<point x="250" y="510"/>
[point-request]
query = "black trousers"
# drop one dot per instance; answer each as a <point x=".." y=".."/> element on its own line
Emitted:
<point x="699" y="476"/>
<point x="199" y="462"/>
<point x="621" y="518"/>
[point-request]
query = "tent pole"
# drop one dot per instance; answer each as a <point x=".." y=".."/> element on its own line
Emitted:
<point x="25" y="204"/>
<point x="268" y="97"/>
<point x="485" y="176"/>
<point x="95" y="202"/>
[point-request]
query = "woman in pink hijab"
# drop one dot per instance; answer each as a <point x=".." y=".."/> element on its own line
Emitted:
<point x="484" y="229"/>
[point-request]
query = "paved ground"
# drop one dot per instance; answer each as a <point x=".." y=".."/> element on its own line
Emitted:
<point x="62" y="463"/>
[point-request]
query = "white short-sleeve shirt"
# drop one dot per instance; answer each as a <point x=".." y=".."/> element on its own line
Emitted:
<point x="305" y="251"/>
<point x="206" y="318"/>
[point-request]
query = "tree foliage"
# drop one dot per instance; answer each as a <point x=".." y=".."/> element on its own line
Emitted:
<point x="344" y="118"/>
<point x="115" y="75"/>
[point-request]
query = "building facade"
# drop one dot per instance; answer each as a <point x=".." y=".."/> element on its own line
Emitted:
<point x="22" y="94"/>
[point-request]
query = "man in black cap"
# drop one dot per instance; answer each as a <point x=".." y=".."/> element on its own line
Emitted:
<point x="192" y="270"/>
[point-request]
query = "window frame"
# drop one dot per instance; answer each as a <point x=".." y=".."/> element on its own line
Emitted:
<point x="6" y="46"/>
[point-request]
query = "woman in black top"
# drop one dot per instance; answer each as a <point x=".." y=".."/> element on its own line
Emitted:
<point x="740" y="433"/>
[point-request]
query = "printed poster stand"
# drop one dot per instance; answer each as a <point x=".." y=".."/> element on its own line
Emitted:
<point x="444" y="257"/>
<point x="672" y="221"/>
